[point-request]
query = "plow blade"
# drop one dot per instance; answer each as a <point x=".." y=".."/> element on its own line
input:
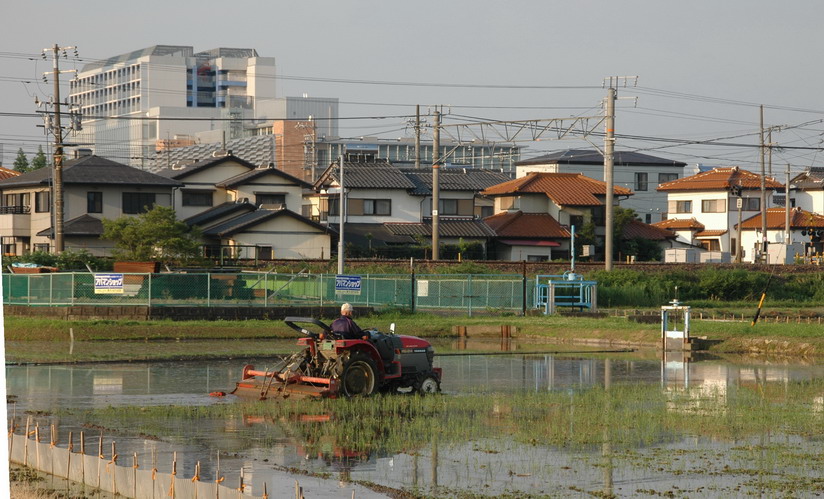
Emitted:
<point x="261" y="385"/>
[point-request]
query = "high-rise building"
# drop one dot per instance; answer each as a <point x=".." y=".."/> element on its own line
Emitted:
<point x="165" y="96"/>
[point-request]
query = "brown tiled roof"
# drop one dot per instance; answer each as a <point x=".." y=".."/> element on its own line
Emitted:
<point x="710" y="233"/>
<point x="6" y="173"/>
<point x="799" y="219"/>
<point x="637" y="229"/>
<point x="526" y="225"/>
<point x="565" y="189"/>
<point x="679" y="224"/>
<point x="720" y="179"/>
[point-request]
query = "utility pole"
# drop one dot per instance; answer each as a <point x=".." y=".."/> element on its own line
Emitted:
<point x="342" y="215"/>
<point x="436" y="158"/>
<point x="418" y="136"/>
<point x="788" y="239"/>
<point x="763" y="192"/>
<point x="609" y="165"/>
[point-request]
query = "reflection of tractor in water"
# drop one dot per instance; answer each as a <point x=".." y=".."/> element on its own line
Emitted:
<point x="331" y="366"/>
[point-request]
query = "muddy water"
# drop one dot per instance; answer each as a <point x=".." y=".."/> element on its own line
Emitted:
<point x="489" y="466"/>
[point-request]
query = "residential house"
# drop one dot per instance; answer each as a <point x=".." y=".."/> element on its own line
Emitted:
<point x="93" y="188"/>
<point x="6" y="173"/>
<point x="806" y="231"/>
<point x="391" y="206"/>
<point x="539" y="207"/>
<point x="638" y="172"/>
<point x="807" y="190"/>
<point x="710" y="199"/>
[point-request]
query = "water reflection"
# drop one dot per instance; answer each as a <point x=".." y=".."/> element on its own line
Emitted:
<point x="256" y="444"/>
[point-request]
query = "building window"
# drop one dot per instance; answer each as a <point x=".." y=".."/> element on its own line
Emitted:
<point x="486" y="211"/>
<point x="641" y="181"/>
<point x="265" y="253"/>
<point x="448" y="206"/>
<point x="94" y="202"/>
<point x="137" y="202"/>
<point x="711" y="244"/>
<point x="680" y="207"/>
<point x="751" y="204"/>
<point x="648" y="218"/>
<point x="667" y="177"/>
<point x="44" y="247"/>
<point x="381" y="207"/>
<point x="42" y="202"/>
<point x="713" y="206"/>
<point x="334" y="206"/>
<point x="266" y="198"/>
<point x="537" y="258"/>
<point x="196" y="198"/>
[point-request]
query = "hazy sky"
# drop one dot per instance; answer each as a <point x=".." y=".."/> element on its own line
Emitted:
<point x="703" y="66"/>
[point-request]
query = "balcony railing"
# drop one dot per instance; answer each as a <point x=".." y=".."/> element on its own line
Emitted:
<point x="14" y="210"/>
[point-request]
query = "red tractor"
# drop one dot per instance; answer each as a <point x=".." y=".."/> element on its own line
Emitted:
<point x="331" y="366"/>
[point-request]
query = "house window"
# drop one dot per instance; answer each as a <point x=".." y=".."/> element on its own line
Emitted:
<point x="448" y="206"/>
<point x="577" y="221"/>
<point x="711" y="244"/>
<point x="508" y="203"/>
<point x="377" y="207"/>
<point x="137" y="202"/>
<point x="334" y="206"/>
<point x="751" y="204"/>
<point x="267" y="198"/>
<point x="94" y="202"/>
<point x="648" y="218"/>
<point x="486" y="211"/>
<point x="667" y="177"/>
<point x="44" y="247"/>
<point x="196" y="198"/>
<point x="264" y="253"/>
<point x="641" y="181"/>
<point x="713" y="206"/>
<point x="42" y="202"/>
<point x="680" y="207"/>
<point x="537" y="258"/>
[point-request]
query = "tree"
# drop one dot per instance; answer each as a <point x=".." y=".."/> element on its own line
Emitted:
<point x="21" y="162"/>
<point x="40" y="160"/>
<point x="156" y="235"/>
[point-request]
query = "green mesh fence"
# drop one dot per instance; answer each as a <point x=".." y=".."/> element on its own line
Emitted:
<point x="459" y="292"/>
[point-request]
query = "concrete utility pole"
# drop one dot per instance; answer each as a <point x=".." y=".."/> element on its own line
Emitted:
<point x="418" y="136"/>
<point x="58" y="155"/>
<point x="436" y="159"/>
<point x="763" y="192"/>
<point x="341" y="215"/>
<point x="788" y="239"/>
<point x="609" y="164"/>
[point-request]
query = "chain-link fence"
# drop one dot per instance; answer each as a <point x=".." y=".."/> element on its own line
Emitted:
<point x="455" y="292"/>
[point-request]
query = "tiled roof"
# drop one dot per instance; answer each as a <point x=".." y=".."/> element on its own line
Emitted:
<point x="591" y="157"/>
<point x="526" y="225"/>
<point x="446" y="228"/>
<point x="565" y="189"/>
<point x="637" y="229"/>
<point x="257" y="150"/>
<point x="92" y="170"/>
<point x="375" y="234"/>
<point x="710" y="233"/>
<point x="84" y="225"/>
<point x="680" y="224"/>
<point x="799" y="219"/>
<point x="454" y="179"/>
<point x="248" y="220"/>
<point x="811" y="179"/>
<point x="378" y="174"/>
<point x="720" y="179"/>
<point x="261" y="172"/>
<point x="6" y="173"/>
<point x="186" y="170"/>
<point x="220" y="211"/>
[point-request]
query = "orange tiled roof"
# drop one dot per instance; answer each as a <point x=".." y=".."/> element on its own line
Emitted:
<point x="565" y="189"/>
<point x="530" y="225"/>
<point x="637" y="229"/>
<point x="720" y="179"/>
<point x="710" y="233"/>
<point x="799" y="219"/>
<point x="679" y="224"/>
<point x="6" y="173"/>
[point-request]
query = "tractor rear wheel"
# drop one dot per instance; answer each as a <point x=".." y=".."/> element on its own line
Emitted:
<point x="359" y="375"/>
<point x="427" y="385"/>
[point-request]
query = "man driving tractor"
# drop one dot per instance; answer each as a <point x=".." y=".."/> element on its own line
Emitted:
<point x="345" y="326"/>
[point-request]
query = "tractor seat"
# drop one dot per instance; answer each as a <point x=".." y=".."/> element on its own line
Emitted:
<point x="385" y="344"/>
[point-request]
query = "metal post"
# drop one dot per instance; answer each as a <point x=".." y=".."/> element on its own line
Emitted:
<point x="740" y="249"/>
<point x="266" y="289"/>
<point x="572" y="247"/>
<point x="412" y="292"/>
<point x="436" y="158"/>
<point x="469" y="293"/>
<point x="341" y="215"/>
<point x="763" y="192"/>
<point x="149" y="301"/>
<point x="609" y="164"/>
<point x="209" y="290"/>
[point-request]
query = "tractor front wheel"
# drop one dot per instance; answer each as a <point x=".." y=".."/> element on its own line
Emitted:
<point x="427" y="385"/>
<point x="358" y="376"/>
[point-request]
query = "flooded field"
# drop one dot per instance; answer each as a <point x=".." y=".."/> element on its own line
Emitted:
<point x="508" y="422"/>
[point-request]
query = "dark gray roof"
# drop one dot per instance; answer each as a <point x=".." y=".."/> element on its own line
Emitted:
<point x="591" y="157"/>
<point x="84" y="225"/>
<point x="446" y="228"/>
<point x="810" y="179"/>
<point x="185" y="171"/>
<point x="258" y="150"/>
<point x="260" y="172"/>
<point x="455" y="179"/>
<point x="220" y="211"/>
<point x="247" y="220"/>
<point x="374" y="234"/>
<point x="92" y="170"/>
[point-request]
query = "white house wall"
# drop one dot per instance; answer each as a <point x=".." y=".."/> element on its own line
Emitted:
<point x="288" y="237"/>
<point x="272" y="184"/>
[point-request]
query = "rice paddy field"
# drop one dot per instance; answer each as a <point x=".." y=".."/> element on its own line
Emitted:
<point x="530" y="422"/>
